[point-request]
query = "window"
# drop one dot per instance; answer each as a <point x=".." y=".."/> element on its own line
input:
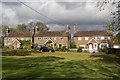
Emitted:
<point x="105" y="37"/>
<point x="79" y="38"/>
<point x="86" y="38"/>
<point x="22" y="39"/>
<point x="98" y="37"/>
<point x="39" y="38"/>
<point x="83" y="46"/>
<point x="45" y="38"/>
<point x="55" y="38"/>
<point x="102" y="37"/>
<point x="62" y="38"/>
<point x="103" y="45"/>
<point x="12" y="39"/>
<point x="8" y="39"/>
<point x="27" y="38"/>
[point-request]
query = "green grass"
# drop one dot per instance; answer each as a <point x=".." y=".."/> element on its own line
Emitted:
<point x="60" y="65"/>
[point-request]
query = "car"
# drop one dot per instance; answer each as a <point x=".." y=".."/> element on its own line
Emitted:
<point x="46" y="49"/>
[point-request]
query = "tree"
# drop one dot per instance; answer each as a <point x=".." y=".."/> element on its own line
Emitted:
<point x="41" y="26"/>
<point x="3" y="29"/>
<point x="21" y="28"/>
<point x="117" y="39"/>
<point x="1" y="41"/>
<point x="72" y="44"/>
<point x="114" y="14"/>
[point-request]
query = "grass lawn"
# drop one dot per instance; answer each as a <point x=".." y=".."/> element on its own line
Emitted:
<point x="60" y="65"/>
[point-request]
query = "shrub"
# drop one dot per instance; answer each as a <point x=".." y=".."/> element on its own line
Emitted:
<point x="5" y="47"/>
<point x="104" y="49"/>
<point x="28" y="47"/>
<point x="21" y="47"/>
<point x="63" y="48"/>
<point x="56" y="48"/>
<point x="25" y="42"/>
<point x="15" y="53"/>
<point x="34" y="45"/>
<point x="79" y="49"/>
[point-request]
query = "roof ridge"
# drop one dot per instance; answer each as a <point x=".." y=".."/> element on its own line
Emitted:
<point x="95" y="30"/>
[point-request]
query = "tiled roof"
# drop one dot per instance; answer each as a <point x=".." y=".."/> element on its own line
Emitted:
<point x="52" y="34"/>
<point x="21" y="34"/>
<point x="93" y="33"/>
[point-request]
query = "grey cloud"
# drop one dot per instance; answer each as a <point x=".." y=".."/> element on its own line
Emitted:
<point x="62" y="12"/>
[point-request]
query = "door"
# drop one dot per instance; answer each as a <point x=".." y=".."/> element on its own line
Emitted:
<point x="18" y="45"/>
<point x="95" y="46"/>
<point x="90" y="46"/>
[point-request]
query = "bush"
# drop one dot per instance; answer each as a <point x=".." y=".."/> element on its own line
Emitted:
<point x="56" y="48"/>
<point x="79" y="49"/>
<point x="63" y="48"/>
<point x="113" y="51"/>
<point x="104" y="49"/>
<point x="15" y="53"/>
<point x="34" y="45"/>
<point x="29" y="47"/>
<point x="5" y="47"/>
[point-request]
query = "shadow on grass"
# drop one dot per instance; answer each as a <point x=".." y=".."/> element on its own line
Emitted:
<point x="30" y="68"/>
<point x="108" y="58"/>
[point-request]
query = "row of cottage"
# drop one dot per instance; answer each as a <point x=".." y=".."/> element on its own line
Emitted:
<point x="88" y="40"/>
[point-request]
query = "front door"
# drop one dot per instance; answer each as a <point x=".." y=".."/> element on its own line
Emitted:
<point x="90" y="46"/>
<point x="95" y="46"/>
<point x="18" y="45"/>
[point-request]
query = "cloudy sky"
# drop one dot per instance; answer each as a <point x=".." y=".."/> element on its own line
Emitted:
<point x="85" y="14"/>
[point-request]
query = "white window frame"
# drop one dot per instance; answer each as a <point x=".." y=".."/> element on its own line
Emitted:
<point x="13" y="39"/>
<point x="98" y="38"/>
<point x="82" y="46"/>
<point x="79" y="38"/>
<point x="102" y="38"/>
<point x="104" y="44"/>
<point x="86" y="38"/>
<point x="45" y="38"/>
<point x="55" y="38"/>
<point x="22" y="38"/>
<point x="27" y="38"/>
<point x="61" y="38"/>
<point x="39" y="38"/>
<point x="109" y="38"/>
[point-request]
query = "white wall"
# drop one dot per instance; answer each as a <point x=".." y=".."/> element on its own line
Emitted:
<point x="116" y="46"/>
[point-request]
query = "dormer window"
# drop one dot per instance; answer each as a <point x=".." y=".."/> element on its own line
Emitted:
<point x="86" y="38"/>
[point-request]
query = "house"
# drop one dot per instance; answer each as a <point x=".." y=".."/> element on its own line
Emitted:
<point x="12" y="39"/>
<point x="52" y="38"/>
<point x="47" y="38"/>
<point x="94" y="40"/>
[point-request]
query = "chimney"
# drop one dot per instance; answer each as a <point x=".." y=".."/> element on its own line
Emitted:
<point x="36" y="28"/>
<point x="68" y="28"/>
<point x="74" y="28"/>
<point x="33" y="32"/>
<point x="7" y="32"/>
<point x="110" y="27"/>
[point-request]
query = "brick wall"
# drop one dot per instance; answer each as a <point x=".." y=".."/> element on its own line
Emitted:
<point x="58" y="41"/>
<point x="84" y="42"/>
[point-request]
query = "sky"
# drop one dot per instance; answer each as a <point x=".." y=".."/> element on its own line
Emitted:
<point x="85" y="14"/>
